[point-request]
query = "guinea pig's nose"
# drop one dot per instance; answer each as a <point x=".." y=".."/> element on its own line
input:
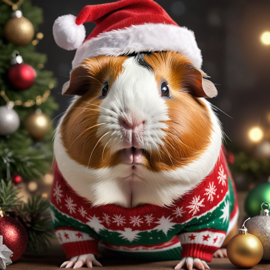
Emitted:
<point x="134" y="125"/>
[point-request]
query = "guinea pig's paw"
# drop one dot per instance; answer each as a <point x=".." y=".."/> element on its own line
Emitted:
<point x="221" y="253"/>
<point x="79" y="261"/>
<point x="190" y="262"/>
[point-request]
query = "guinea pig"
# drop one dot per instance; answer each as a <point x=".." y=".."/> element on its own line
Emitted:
<point x="140" y="170"/>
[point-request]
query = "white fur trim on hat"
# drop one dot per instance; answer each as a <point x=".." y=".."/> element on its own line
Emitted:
<point x="67" y="34"/>
<point x="139" y="38"/>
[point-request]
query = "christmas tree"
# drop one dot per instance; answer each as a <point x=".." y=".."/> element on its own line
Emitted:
<point x="25" y="111"/>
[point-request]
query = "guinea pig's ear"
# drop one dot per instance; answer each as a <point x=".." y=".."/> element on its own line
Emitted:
<point x="79" y="82"/>
<point x="197" y="84"/>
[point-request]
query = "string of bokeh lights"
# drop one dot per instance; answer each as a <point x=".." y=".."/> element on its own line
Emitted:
<point x="256" y="134"/>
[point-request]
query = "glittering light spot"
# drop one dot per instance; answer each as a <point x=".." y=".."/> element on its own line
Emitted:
<point x="255" y="134"/>
<point x="35" y="42"/>
<point x="265" y="38"/>
<point x="32" y="186"/>
<point x="44" y="195"/>
<point x="41" y="121"/>
<point x="40" y="35"/>
<point x="48" y="179"/>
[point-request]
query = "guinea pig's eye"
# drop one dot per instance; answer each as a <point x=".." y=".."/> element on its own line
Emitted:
<point x="105" y="89"/>
<point x="165" y="91"/>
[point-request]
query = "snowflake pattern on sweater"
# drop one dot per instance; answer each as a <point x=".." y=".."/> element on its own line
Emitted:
<point x="194" y="225"/>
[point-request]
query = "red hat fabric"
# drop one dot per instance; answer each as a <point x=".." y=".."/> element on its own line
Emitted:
<point x="124" y="27"/>
<point x="122" y="14"/>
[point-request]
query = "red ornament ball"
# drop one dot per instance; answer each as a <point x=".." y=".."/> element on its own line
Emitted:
<point x="16" y="179"/>
<point x="14" y="236"/>
<point x="22" y="76"/>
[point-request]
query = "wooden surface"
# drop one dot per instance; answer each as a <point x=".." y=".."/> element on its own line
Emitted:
<point x="56" y="257"/>
<point x="53" y="263"/>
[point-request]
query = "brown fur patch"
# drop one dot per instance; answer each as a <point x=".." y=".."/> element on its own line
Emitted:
<point x="189" y="130"/>
<point x="79" y="126"/>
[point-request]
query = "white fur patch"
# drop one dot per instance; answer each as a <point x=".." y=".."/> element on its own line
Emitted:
<point x="138" y="38"/>
<point x="135" y="90"/>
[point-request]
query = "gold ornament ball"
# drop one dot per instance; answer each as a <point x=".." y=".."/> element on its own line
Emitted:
<point x="19" y="31"/>
<point x="37" y="124"/>
<point x="245" y="250"/>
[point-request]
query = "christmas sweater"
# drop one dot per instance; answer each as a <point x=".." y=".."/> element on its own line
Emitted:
<point x="195" y="225"/>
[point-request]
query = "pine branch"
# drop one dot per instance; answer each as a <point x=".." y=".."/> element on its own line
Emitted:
<point x="35" y="217"/>
<point x="247" y="164"/>
<point x="9" y="195"/>
<point x="28" y="162"/>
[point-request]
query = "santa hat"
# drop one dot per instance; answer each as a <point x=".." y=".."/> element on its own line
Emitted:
<point x="124" y="27"/>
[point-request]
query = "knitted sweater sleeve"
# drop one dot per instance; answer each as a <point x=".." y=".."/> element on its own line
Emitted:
<point x="208" y="214"/>
<point x="73" y="240"/>
<point x="75" y="236"/>
<point x="203" y="239"/>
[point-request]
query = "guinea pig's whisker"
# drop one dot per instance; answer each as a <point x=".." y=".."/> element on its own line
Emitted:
<point x="86" y="131"/>
<point x="90" y="103"/>
<point x="104" y="148"/>
<point x="179" y="140"/>
<point x="88" y="76"/>
<point x="88" y="109"/>
<point x="54" y="134"/>
<point x="104" y="108"/>
<point x="224" y="136"/>
<point x="95" y="148"/>
<point x="112" y="147"/>
<point x="168" y="154"/>
<point x="149" y="145"/>
<point x="84" y="109"/>
<point x="189" y="131"/>
<point x="174" y="136"/>
<point x="156" y="144"/>
<point x="221" y="111"/>
<point x="167" y="142"/>
<point x="57" y="116"/>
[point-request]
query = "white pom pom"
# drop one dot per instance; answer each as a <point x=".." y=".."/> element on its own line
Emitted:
<point x="67" y="34"/>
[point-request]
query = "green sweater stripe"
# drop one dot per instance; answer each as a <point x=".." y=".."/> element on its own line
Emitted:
<point x="63" y="220"/>
<point x="232" y="195"/>
<point x="209" y="220"/>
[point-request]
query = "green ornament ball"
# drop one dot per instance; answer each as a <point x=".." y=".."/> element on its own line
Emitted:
<point x="258" y="195"/>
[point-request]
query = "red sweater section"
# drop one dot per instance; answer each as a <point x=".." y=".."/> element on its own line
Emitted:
<point x="202" y="200"/>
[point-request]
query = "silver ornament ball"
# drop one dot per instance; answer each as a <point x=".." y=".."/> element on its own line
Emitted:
<point x="9" y="120"/>
<point x="260" y="227"/>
